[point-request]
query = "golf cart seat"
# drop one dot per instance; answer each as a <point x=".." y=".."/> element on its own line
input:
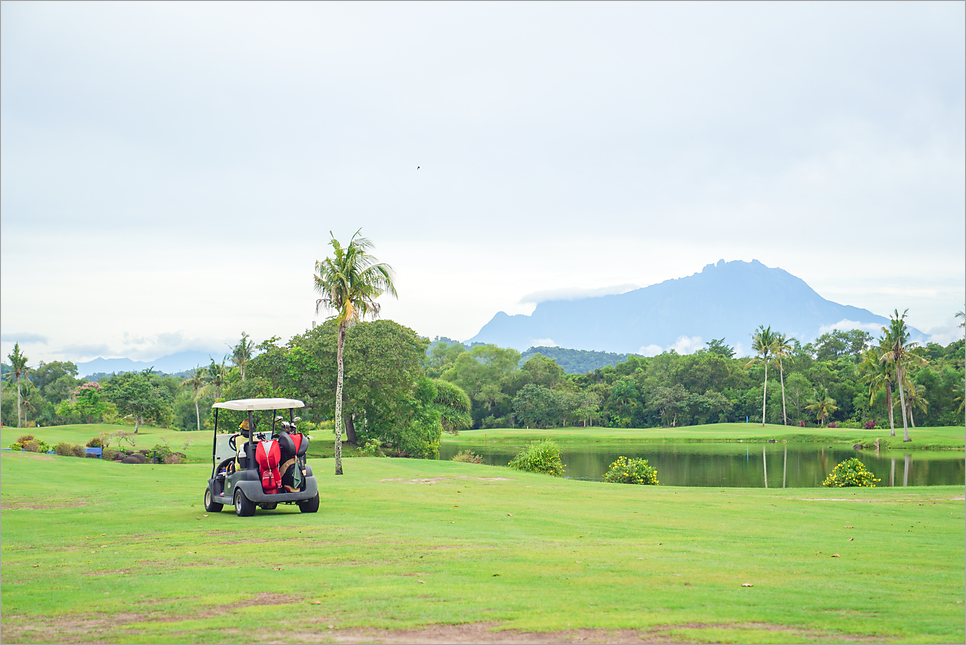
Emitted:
<point x="267" y="456"/>
<point x="293" y="448"/>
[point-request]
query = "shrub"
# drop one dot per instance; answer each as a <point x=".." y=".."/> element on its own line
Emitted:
<point x="631" y="471"/>
<point x="159" y="453"/>
<point x="64" y="449"/>
<point x="80" y="451"/>
<point x="539" y="457"/>
<point x="850" y="472"/>
<point x="25" y="438"/>
<point x="467" y="457"/>
<point x="869" y="425"/>
<point x="833" y="424"/>
<point x="95" y="443"/>
<point x="110" y="454"/>
<point x="371" y="449"/>
<point x="801" y="424"/>
<point x="35" y="445"/>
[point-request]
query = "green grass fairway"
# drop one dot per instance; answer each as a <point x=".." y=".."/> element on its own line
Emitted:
<point x="942" y="438"/>
<point x="412" y="551"/>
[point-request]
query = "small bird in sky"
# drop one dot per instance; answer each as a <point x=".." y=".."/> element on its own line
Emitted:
<point x="417" y="167"/>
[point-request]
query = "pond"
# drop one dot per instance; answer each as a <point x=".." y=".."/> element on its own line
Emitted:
<point x="753" y="465"/>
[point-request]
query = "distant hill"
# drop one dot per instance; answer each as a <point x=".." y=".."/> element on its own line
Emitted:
<point x="171" y="364"/>
<point x="726" y="300"/>
<point x="576" y="361"/>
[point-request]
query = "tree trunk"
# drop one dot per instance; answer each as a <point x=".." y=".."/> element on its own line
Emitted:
<point x="764" y="396"/>
<point x="350" y="431"/>
<point x="338" y="400"/>
<point x="892" y="423"/>
<point x="18" y="403"/>
<point x="902" y="404"/>
<point x="197" y="414"/>
<point x="781" y="373"/>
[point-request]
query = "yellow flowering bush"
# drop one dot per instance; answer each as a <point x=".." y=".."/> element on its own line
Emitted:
<point x="631" y="471"/>
<point x="850" y="472"/>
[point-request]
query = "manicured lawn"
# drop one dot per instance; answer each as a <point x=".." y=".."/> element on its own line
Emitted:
<point x="97" y="551"/>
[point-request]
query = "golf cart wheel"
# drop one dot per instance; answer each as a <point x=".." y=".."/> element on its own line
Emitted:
<point x="309" y="505"/>
<point x="269" y="506"/>
<point x="244" y="507"/>
<point x="210" y="504"/>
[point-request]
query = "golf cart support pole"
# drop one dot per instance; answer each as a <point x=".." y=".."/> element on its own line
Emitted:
<point x="251" y="444"/>
<point x="214" y="444"/>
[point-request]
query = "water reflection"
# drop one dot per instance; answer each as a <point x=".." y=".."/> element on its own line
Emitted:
<point x="691" y="464"/>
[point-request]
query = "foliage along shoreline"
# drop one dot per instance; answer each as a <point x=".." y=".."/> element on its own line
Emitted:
<point x="403" y="392"/>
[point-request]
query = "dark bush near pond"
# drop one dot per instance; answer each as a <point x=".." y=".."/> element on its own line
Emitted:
<point x="540" y="457"/>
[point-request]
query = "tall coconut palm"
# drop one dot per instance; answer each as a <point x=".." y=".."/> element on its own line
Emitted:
<point x="879" y="376"/>
<point x="782" y="350"/>
<point x="962" y="316"/>
<point x="242" y="353"/>
<point x="18" y="372"/>
<point x="763" y="342"/>
<point x="348" y="284"/>
<point x="196" y="382"/>
<point x="898" y="346"/>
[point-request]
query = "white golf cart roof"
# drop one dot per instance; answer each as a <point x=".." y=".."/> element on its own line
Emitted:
<point x="259" y="404"/>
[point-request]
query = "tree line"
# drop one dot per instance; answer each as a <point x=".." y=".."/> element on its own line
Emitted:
<point x="401" y="392"/>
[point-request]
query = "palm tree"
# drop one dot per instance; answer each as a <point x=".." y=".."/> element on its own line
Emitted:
<point x="916" y="399"/>
<point x="216" y="376"/>
<point x="349" y="284"/>
<point x="197" y="382"/>
<point x="822" y="407"/>
<point x="19" y="369"/>
<point x="242" y="353"/>
<point x="962" y="325"/>
<point x="878" y="375"/>
<point x="782" y="349"/>
<point x="763" y="342"/>
<point x="897" y="353"/>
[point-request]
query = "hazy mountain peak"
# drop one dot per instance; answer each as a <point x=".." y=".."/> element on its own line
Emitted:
<point x="724" y="300"/>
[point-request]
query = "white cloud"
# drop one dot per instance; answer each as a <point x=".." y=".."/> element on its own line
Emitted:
<point x="683" y="345"/>
<point x="575" y="293"/>
<point x="947" y="333"/>
<point x="650" y="350"/>
<point x="542" y="342"/>
<point x="846" y="325"/>
<point x="687" y="344"/>
<point x="24" y="338"/>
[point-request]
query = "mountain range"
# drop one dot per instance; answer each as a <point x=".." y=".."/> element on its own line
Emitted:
<point x="170" y="364"/>
<point x="726" y="300"/>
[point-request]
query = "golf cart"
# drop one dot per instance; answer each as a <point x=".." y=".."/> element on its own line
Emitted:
<point x="262" y="461"/>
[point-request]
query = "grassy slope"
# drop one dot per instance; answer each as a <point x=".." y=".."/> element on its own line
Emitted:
<point x="114" y="553"/>
<point x="948" y="438"/>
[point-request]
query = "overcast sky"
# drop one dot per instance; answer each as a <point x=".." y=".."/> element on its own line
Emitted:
<point x="171" y="171"/>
